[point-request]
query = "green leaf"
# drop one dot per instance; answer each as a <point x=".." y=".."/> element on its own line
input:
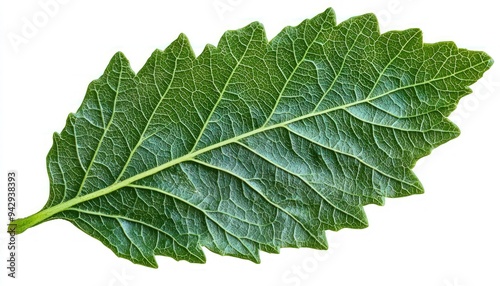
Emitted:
<point x="254" y="145"/>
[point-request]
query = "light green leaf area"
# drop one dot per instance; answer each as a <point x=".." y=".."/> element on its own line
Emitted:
<point x="254" y="144"/>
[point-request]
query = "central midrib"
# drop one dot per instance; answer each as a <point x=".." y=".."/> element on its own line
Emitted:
<point x="46" y="213"/>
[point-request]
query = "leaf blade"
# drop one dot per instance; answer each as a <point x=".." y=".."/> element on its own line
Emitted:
<point x="255" y="145"/>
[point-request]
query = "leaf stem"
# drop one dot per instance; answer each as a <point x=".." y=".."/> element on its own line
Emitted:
<point x="22" y="224"/>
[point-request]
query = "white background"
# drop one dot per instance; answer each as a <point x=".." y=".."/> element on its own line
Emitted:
<point x="447" y="237"/>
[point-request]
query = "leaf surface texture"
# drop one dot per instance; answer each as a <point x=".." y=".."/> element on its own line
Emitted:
<point x="255" y="144"/>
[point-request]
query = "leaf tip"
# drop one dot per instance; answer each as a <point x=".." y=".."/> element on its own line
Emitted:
<point x="371" y="17"/>
<point x="328" y="16"/>
<point x="119" y="56"/>
<point x="118" y="63"/>
<point x="182" y="37"/>
<point x="183" y="40"/>
<point x="489" y="60"/>
<point x="329" y="13"/>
